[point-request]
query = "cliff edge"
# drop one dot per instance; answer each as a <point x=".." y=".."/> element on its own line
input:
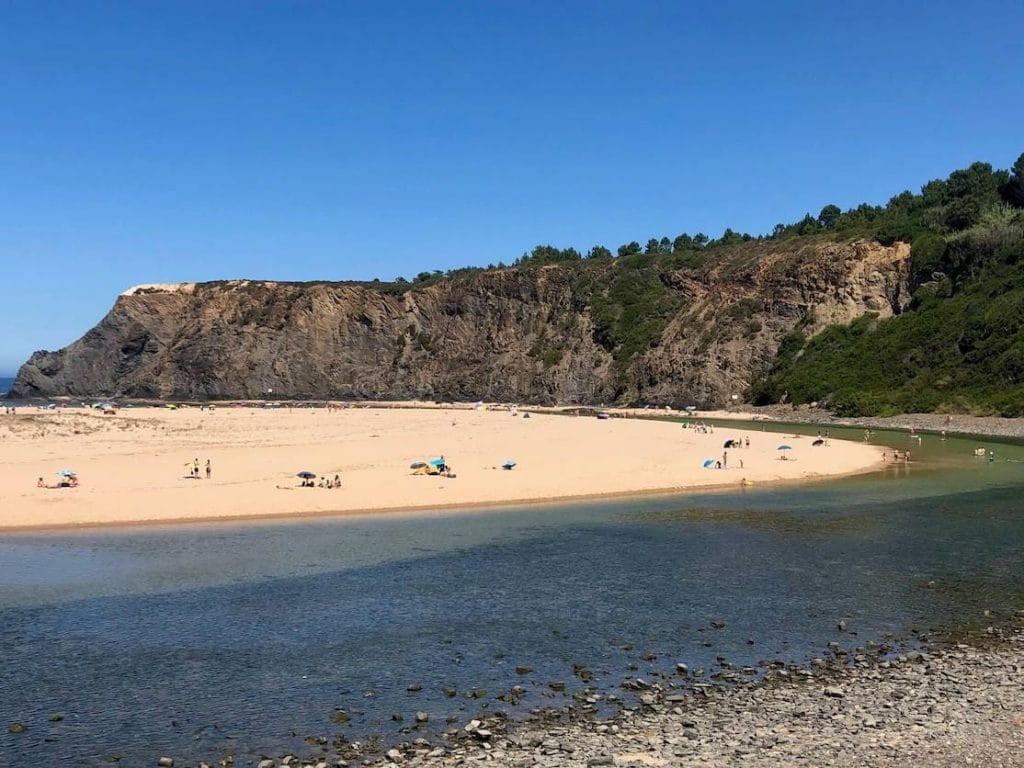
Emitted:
<point x="573" y="333"/>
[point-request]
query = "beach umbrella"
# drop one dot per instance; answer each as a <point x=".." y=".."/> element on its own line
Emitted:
<point x="436" y="462"/>
<point x="708" y="463"/>
<point x="819" y="441"/>
<point x="66" y="472"/>
<point x="306" y="474"/>
<point x="785" y="447"/>
<point x="508" y="464"/>
<point x="417" y="464"/>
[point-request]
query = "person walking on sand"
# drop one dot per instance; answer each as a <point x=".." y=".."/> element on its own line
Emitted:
<point x="195" y="467"/>
<point x="209" y="469"/>
<point x="725" y="459"/>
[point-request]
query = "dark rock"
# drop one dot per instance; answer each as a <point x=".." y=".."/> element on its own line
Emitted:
<point x="237" y="339"/>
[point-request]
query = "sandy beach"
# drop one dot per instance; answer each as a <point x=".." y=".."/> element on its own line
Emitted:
<point x="132" y="465"/>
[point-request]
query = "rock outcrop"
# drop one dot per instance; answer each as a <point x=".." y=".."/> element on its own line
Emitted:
<point x="526" y="335"/>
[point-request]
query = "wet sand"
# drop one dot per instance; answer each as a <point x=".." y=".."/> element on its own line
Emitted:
<point x="132" y="465"/>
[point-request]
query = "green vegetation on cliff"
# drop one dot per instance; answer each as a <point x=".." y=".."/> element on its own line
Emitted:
<point x="960" y="346"/>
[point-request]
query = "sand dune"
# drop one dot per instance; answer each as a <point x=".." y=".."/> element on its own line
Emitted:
<point x="132" y="465"/>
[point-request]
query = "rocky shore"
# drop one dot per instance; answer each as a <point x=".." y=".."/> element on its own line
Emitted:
<point x="993" y="426"/>
<point x="951" y="704"/>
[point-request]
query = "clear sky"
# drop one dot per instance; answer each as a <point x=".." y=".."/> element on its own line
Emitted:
<point x="145" y="141"/>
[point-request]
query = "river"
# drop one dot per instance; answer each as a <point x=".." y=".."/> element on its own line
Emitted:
<point x="196" y="640"/>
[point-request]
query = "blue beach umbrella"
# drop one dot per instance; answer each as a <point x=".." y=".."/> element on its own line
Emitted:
<point x="708" y="463"/>
<point x="508" y="464"/>
<point x="306" y="474"/>
<point x="436" y="462"/>
<point x="66" y="472"/>
<point x="785" y="447"/>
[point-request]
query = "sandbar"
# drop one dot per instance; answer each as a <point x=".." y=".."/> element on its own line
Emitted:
<point x="132" y="465"/>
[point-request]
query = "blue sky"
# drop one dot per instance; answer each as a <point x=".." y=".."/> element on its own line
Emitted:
<point x="174" y="141"/>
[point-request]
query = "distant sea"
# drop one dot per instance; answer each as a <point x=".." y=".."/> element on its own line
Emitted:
<point x="6" y="382"/>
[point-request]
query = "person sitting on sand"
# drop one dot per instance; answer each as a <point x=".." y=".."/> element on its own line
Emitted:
<point x="40" y="483"/>
<point x="337" y="481"/>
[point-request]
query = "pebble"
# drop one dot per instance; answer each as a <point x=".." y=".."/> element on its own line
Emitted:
<point x="947" y="705"/>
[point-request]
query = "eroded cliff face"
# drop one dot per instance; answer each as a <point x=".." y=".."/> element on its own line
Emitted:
<point x="510" y="335"/>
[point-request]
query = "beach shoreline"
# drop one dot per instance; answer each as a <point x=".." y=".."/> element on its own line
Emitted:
<point x="946" y="703"/>
<point x="425" y="510"/>
<point x="128" y="463"/>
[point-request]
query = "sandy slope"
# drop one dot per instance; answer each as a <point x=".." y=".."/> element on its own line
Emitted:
<point x="132" y="469"/>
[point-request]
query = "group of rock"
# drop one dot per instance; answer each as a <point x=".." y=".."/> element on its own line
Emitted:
<point x="959" y="703"/>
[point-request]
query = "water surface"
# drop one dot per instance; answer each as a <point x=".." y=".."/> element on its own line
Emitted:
<point x="192" y="640"/>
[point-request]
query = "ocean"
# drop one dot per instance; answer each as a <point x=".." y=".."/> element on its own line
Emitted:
<point x="6" y="382"/>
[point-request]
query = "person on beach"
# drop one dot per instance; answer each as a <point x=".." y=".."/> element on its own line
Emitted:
<point x="40" y="483"/>
<point x="337" y="481"/>
<point x="725" y="459"/>
<point x="209" y="469"/>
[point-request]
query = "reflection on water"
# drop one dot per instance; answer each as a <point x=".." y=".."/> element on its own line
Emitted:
<point x="192" y="640"/>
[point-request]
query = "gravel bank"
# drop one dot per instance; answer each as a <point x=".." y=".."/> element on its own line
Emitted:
<point x="955" y="705"/>
<point x="993" y="426"/>
<point x="959" y="706"/>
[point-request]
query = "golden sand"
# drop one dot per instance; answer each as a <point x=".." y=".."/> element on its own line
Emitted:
<point x="132" y="465"/>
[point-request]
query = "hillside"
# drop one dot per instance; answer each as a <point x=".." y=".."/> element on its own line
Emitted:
<point x="960" y="345"/>
<point x="915" y="305"/>
<point x="632" y="329"/>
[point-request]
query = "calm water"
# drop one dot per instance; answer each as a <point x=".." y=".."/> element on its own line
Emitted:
<point x="5" y="384"/>
<point x="189" y="640"/>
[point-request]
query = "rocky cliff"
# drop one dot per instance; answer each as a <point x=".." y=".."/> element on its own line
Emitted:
<point x="559" y="333"/>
